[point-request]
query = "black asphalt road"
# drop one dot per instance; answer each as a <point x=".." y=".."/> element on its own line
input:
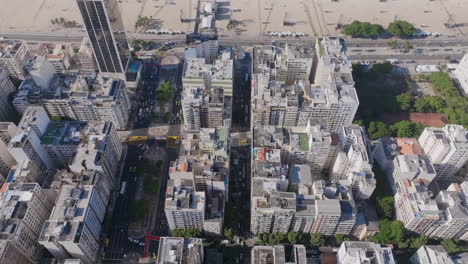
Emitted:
<point x="119" y="244"/>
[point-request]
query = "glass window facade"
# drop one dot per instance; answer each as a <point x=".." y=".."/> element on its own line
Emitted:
<point x="104" y="25"/>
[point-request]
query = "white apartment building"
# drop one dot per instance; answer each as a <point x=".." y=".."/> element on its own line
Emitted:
<point x="335" y="208"/>
<point x="13" y="57"/>
<point x="202" y="108"/>
<point x="453" y="222"/>
<point x="61" y="139"/>
<point x="461" y="73"/>
<point x="447" y="147"/>
<point x="85" y="57"/>
<point x="184" y="207"/>
<point x="354" y="153"/>
<point x="41" y="71"/>
<point x="26" y="171"/>
<point x="23" y="209"/>
<point x="59" y="55"/>
<point x="206" y="49"/>
<point x="276" y="254"/>
<point x="6" y="89"/>
<point x="7" y="131"/>
<point x="386" y="149"/>
<point x="74" y="226"/>
<point x="414" y="206"/>
<point x="85" y="177"/>
<point x="180" y="250"/>
<point x="284" y="63"/>
<point x="100" y="150"/>
<point x="26" y="144"/>
<point x="198" y="73"/>
<point x="354" y="252"/>
<point x="431" y="254"/>
<point x="80" y="98"/>
<point x="331" y="105"/>
<point x="273" y="212"/>
<point x="310" y="145"/>
<point x="294" y="63"/>
<point x="413" y="167"/>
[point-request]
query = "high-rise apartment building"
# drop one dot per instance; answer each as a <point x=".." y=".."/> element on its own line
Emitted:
<point x="461" y="73"/>
<point x="78" y="98"/>
<point x="23" y="209"/>
<point x="7" y="112"/>
<point x="447" y="147"/>
<point x="453" y="222"/>
<point x="414" y="206"/>
<point x="26" y="144"/>
<point x="26" y="171"/>
<point x="284" y="63"/>
<point x="7" y="131"/>
<point x="74" y="226"/>
<point x="13" y="58"/>
<point x="353" y="252"/>
<point x="59" y="55"/>
<point x="335" y="208"/>
<point x="354" y="153"/>
<point x="184" y="207"/>
<point x="203" y="108"/>
<point x="207" y="96"/>
<point x="206" y="49"/>
<point x="433" y="254"/>
<point x="277" y="255"/>
<point x="331" y="103"/>
<point x="103" y="23"/>
<point x="180" y="250"/>
<point x="61" y="139"/>
<point x="86" y="177"/>
<point x="99" y="150"/>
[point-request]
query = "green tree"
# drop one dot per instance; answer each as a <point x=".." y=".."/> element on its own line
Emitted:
<point x="392" y="44"/>
<point x="167" y="117"/>
<point x="418" y="241"/>
<point x="138" y="209"/>
<point x="407" y="46"/>
<point x="391" y="232"/>
<point x="406" y="129"/>
<point x="229" y="232"/>
<point x="150" y="186"/>
<point x="192" y="232"/>
<point x="382" y="68"/>
<point x="399" y="234"/>
<point x="378" y="129"/>
<point x="317" y="239"/>
<point x="164" y="91"/>
<point x="443" y="84"/>
<point x="262" y="237"/>
<point x="359" y="122"/>
<point x="422" y="106"/>
<point x="294" y="237"/>
<point x="363" y="29"/>
<point x="340" y="238"/>
<point x="437" y="103"/>
<point x="450" y="246"/>
<point x="401" y="28"/>
<point x="405" y="101"/>
<point x="457" y="110"/>
<point x="385" y="206"/>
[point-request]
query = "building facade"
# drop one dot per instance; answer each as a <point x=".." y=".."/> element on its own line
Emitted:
<point x="103" y="23"/>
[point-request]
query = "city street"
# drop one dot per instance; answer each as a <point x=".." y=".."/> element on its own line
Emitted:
<point x="119" y="243"/>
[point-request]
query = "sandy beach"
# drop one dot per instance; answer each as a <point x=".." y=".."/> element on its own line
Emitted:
<point x="255" y="17"/>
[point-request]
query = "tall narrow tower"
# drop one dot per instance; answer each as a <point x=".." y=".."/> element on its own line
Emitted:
<point x="106" y="32"/>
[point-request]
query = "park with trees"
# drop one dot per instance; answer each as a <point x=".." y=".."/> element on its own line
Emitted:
<point x="382" y="93"/>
